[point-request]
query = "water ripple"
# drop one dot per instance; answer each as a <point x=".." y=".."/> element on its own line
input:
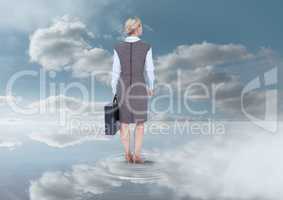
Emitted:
<point x="117" y="168"/>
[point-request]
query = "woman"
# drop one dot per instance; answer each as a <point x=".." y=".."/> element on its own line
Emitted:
<point x="132" y="57"/>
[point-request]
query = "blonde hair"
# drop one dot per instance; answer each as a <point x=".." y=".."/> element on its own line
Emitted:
<point x="132" y="24"/>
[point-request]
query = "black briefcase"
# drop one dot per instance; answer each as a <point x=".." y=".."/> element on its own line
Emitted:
<point x="111" y="117"/>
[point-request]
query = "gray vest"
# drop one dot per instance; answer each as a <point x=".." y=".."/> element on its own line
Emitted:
<point x="131" y="88"/>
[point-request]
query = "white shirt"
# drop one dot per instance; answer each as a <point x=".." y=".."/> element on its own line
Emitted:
<point x="116" y="69"/>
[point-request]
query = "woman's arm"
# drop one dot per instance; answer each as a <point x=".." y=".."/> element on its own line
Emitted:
<point x="116" y="69"/>
<point x="149" y="67"/>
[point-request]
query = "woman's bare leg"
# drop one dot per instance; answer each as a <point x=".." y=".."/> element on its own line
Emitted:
<point x="125" y="139"/>
<point x="139" y="132"/>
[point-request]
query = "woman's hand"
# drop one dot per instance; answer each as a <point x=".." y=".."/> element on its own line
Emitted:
<point x="150" y="92"/>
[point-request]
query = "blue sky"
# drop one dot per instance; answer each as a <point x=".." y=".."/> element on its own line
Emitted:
<point x="252" y="23"/>
<point x="223" y="43"/>
<point x="206" y="29"/>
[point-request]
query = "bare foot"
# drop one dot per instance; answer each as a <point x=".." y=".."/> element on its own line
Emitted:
<point x="150" y="92"/>
<point x="129" y="157"/>
<point x="137" y="159"/>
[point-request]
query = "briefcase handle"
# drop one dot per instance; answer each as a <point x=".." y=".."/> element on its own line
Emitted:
<point x="115" y="98"/>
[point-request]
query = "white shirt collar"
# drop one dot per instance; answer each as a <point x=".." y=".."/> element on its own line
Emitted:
<point x="132" y="38"/>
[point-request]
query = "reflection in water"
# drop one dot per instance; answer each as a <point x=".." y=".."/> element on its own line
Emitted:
<point x="116" y="167"/>
<point x="107" y="177"/>
<point x="230" y="167"/>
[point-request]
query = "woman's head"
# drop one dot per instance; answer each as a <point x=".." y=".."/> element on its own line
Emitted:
<point x="133" y="26"/>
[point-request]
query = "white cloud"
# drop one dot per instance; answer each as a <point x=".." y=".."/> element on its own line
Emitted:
<point x="85" y="181"/>
<point x="63" y="45"/>
<point x="203" y="54"/>
<point x="80" y="182"/>
<point x="9" y="143"/>
<point x="26" y="15"/>
<point x="82" y="121"/>
<point x="197" y="63"/>
<point x="200" y="64"/>
<point x="54" y="104"/>
<point x="4" y="100"/>
<point x="60" y="121"/>
<point x="244" y="164"/>
<point x="96" y="62"/>
<point x="61" y="137"/>
<point x="72" y="105"/>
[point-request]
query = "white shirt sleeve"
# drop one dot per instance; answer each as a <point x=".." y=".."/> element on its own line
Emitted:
<point x="116" y="69"/>
<point x="149" y="67"/>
